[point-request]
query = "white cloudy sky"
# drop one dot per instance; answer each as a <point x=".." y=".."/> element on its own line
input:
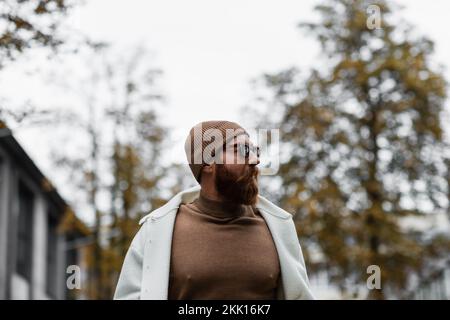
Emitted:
<point x="208" y="50"/>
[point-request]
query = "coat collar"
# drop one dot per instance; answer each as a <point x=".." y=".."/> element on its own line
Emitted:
<point x="158" y="245"/>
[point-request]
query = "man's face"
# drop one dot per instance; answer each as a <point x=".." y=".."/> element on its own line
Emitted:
<point x="237" y="178"/>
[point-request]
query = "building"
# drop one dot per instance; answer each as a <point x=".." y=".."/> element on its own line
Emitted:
<point x="436" y="286"/>
<point x="35" y="250"/>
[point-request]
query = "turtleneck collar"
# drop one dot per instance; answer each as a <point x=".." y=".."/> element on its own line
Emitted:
<point x="220" y="209"/>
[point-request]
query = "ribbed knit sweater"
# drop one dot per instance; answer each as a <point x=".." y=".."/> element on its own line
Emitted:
<point x="221" y="250"/>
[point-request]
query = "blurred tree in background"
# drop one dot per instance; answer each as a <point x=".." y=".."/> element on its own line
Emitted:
<point x="108" y="137"/>
<point x="121" y="163"/>
<point x="363" y="143"/>
<point x="29" y="23"/>
<point x="32" y="24"/>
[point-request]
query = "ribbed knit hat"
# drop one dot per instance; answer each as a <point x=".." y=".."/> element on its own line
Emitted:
<point x="205" y="139"/>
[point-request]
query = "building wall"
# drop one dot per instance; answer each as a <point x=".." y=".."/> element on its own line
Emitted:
<point x="12" y="284"/>
<point x="39" y="249"/>
<point x="3" y="222"/>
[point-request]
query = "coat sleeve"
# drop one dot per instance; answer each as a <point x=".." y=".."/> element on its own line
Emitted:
<point x="130" y="279"/>
<point x="306" y="293"/>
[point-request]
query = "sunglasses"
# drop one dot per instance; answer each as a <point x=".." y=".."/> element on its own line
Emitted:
<point x="245" y="150"/>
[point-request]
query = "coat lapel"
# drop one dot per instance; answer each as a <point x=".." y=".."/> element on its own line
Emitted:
<point x="158" y="247"/>
<point x="290" y="289"/>
<point x="157" y="257"/>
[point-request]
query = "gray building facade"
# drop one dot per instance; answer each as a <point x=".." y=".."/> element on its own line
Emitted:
<point x="33" y="253"/>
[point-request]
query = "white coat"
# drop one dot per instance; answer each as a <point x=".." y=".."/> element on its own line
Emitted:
<point x="145" y="271"/>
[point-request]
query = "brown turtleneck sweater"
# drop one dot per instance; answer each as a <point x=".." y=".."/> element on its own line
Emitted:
<point x="222" y="251"/>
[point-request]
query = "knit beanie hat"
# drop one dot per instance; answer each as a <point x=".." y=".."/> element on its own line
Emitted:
<point x="205" y="139"/>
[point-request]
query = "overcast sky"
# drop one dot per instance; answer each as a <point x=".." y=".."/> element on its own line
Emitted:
<point x="208" y="50"/>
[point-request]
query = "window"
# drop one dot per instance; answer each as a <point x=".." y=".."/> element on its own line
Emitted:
<point x="1" y="183"/>
<point x="25" y="232"/>
<point x="52" y="239"/>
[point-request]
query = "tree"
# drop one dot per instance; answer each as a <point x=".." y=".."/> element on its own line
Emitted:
<point x="123" y="138"/>
<point x="29" y="23"/>
<point x="365" y="149"/>
<point x="138" y="139"/>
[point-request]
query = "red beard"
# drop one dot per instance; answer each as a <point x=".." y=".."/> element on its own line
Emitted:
<point x="242" y="189"/>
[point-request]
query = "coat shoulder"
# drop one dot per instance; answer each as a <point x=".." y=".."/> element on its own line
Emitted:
<point x="184" y="196"/>
<point x="157" y="214"/>
<point x="269" y="207"/>
<point x="145" y="218"/>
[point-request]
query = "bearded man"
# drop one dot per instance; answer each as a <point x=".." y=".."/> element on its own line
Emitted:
<point x="220" y="239"/>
